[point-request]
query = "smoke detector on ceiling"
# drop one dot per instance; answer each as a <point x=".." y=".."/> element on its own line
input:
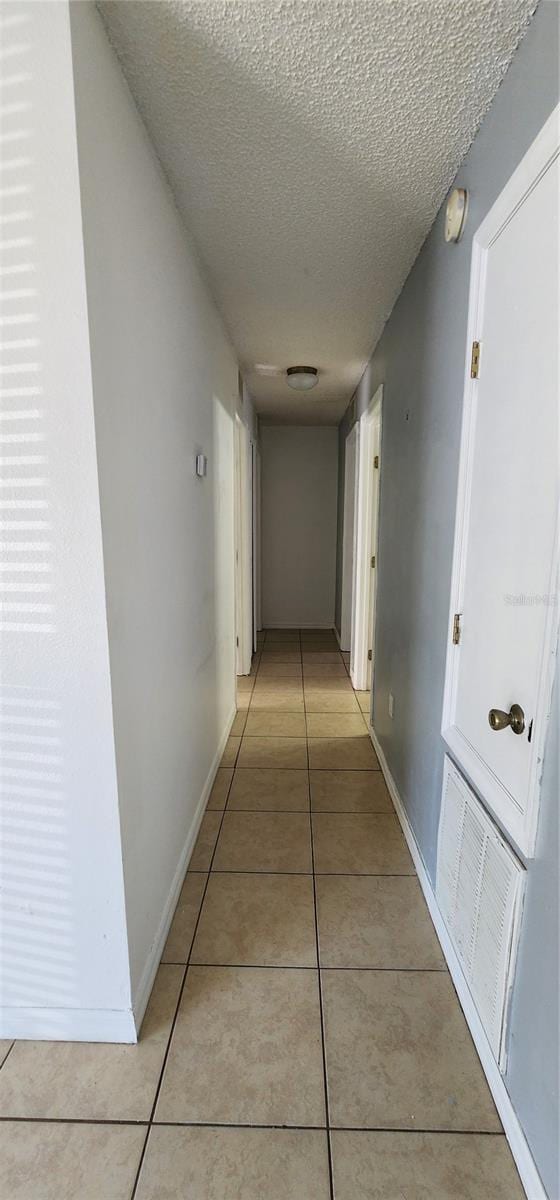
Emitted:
<point x="456" y="214"/>
<point x="302" y="379"/>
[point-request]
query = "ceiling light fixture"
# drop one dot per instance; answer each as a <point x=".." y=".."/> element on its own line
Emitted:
<point x="302" y="379"/>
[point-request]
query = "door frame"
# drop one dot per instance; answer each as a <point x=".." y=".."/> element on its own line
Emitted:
<point x="256" y="537"/>
<point x="367" y="524"/>
<point x="349" y="539"/>
<point x="537" y="160"/>
<point x="243" y="503"/>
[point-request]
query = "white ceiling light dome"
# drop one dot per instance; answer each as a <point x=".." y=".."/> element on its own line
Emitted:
<point x="302" y="379"/>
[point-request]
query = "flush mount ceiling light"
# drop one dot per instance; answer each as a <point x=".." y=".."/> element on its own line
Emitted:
<point x="302" y="379"/>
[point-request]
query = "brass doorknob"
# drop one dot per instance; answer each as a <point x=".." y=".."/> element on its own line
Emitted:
<point x="514" y="719"/>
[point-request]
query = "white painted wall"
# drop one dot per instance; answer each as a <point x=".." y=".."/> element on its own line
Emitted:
<point x="165" y="386"/>
<point x="63" y="947"/>
<point x="299" y="501"/>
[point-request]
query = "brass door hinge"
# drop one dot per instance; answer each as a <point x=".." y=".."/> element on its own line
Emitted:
<point x="373" y="560"/>
<point x="456" y="629"/>
<point x="475" y="360"/>
<point x="376" y="462"/>
<point x="370" y="655"/>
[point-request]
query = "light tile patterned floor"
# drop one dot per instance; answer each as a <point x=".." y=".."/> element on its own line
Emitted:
<point x="259" y="1073"/>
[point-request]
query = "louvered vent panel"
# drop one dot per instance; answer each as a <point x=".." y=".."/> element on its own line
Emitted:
<point x="479" y="890"/>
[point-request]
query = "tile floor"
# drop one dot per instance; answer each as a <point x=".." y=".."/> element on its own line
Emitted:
<point x="303" y="1040"/>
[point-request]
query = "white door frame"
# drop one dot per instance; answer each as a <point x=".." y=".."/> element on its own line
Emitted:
<point x="243" y="548"/>
<point x="367" y="511"/>
<point x="536" y="161"/>
<point x="255" y="537"/>
<point x="258" y="542"/>
<point x="349" y="536"/>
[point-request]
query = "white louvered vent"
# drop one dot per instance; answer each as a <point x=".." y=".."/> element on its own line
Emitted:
<point x="479" y="890"/>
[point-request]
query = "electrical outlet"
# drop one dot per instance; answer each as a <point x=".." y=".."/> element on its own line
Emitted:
<point x="391" y="705"/>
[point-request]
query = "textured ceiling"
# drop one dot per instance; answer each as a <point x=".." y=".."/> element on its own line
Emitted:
<point x="309" y="144"/>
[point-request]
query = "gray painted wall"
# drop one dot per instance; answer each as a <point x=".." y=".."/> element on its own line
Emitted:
<point x="420" y="359"/>
<point x="299" y="491"/>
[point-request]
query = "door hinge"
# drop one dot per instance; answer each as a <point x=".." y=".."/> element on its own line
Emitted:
<point x="237" y="641"/>
<point x="456" y="629"/>
<point x="475" y="360"/>
<point x="370" y="655"/>
<point x="373" y="560"/>
<point x="376" y="462"/>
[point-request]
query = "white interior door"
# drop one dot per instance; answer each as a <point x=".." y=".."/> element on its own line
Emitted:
<point x="243" y="549"/>
<point x="348" y="538"/>
<point x="374" y="565"/>
<point x="504" y="609"/>
<point x="237" y="538"/>
<point x="255" y="538"/>
<point x="365" y="557"/>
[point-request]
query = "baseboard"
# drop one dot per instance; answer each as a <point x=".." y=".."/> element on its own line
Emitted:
<point x="298" y="625"/>
<point x="146" y="983"/>
<point x="343" y="649"/>
<point x="68" y="1024"/>
<point x="518" y="1144"/>
<point x="316" y="625"/>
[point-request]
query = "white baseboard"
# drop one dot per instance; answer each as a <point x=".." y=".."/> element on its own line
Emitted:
<point x="298" y="625"/>
<point x="68" y="1024"/>
<point x="146" y="983"/>
<point x="519" y="1147"/>
<point x="343" y="649"/>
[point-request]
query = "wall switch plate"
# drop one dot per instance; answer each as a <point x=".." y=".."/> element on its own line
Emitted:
<point x="391" y="705"/>
<point x="201" y="465"/>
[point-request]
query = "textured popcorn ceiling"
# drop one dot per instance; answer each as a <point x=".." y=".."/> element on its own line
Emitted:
<point x="309" y="144"/>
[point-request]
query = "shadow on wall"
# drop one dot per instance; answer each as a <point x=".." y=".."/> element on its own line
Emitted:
<point x="37" y="940"/>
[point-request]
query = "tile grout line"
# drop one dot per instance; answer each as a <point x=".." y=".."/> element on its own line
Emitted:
<point x="319" y="982"/>
<point x="320" y="874"/>
<point x="299" y="967"/>
<point x="369" y="770"/>
<point x="238" y="1125"/>
<point x="180" y="997"/>
<point x="298" y="812"/>
<point x="7" y="1055"/>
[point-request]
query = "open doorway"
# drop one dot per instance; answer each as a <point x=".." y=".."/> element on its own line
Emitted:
<point x="349" y="537"/>
<point x="365" y="557"/>
<point x="243" y="506"/>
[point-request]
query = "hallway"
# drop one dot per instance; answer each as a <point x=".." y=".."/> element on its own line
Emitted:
<point x="279" y="313"/>
<point x="299" y="855"/>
